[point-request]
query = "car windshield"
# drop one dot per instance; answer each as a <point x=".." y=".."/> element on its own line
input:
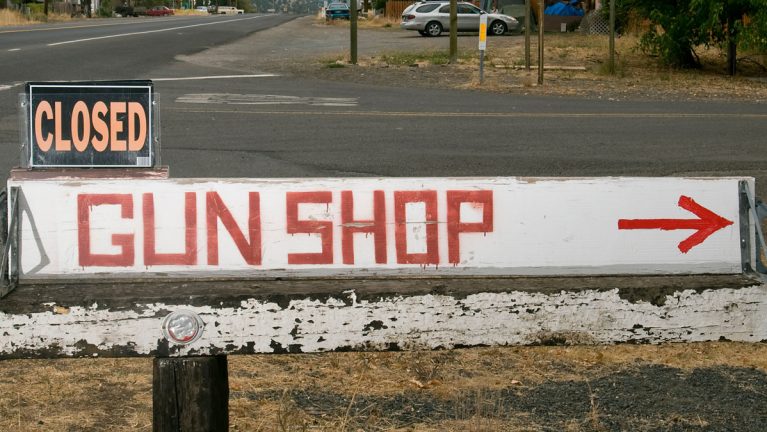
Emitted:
<point x="338" y="6"/>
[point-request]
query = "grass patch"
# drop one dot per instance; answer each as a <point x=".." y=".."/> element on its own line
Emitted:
<point x="402" y="58"/>
<point x="12" y="18"/>
<point x="15" y="18"/>
<point x="189" y="12"/>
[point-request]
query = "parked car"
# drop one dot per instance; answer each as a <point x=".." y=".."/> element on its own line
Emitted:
<point x="337" y="11"/>
<point x="130" y="11"/>
<point x="229" y="10"/>
<point x="432" y="18"/>
<point x="203" y="9"/>
<point x="159" y="11"/>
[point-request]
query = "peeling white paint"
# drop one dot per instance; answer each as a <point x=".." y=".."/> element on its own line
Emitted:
<point x="415" y="322"/>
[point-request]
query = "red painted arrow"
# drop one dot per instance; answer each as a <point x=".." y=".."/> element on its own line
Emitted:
<point x="707" y="223"/>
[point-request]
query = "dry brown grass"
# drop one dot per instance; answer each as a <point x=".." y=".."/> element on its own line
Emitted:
<point x="189" y="12"/>
<point x="365" y="21"/>
<point x="13" y="18"/>
<point x="635" y="71"/>
<point x="115" y="394"/>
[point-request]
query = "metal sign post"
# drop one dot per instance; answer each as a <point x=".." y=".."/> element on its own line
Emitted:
<point x="482" y="45"/>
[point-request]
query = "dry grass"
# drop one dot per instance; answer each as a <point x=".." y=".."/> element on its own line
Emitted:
<point x="14" y="18"/>
<point x="636" y="74"/>
<point x="115" y="394"/>
<point x="365" y="21"/>
<point x="189" y="12"/>
<point x="634" y="70"/>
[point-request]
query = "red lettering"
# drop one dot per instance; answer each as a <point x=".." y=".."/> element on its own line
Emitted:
<point x="349" y="226"/>
<point x="454" y="224"/>
<point x="124" y="241"/>
<point x="217" y="210"/>
<point x="189" y="257"/>
<point x="323" y="228"/>
<point x="429" y="198"/>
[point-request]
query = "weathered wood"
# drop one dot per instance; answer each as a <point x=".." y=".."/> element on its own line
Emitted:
<point x="161" y="172"/>
<point x="190" y="394"/>
<point x="278" y="316"/>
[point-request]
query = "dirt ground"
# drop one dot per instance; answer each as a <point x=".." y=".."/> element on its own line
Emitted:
<point x="575" y="64"/>
<point x="715" y="386"/>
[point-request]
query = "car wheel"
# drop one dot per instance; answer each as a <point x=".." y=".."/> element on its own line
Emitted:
<point x="497" y="28"/>
<point x="433" y="28"/>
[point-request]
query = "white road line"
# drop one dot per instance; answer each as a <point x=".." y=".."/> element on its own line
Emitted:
<point x="14" y="49"/>
<point x="152" y="31"/>
<point x="261" y="99"/>
<point x="9" y="86"/>
<point x="216" y="77"/>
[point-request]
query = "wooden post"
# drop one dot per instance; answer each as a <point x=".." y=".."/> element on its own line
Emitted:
<point x="353" y="31"/>
<point x="190" y="394"/>
<point x="612" y="38"/>
<point x="540" y="41"/>
<point x="453" y="31"/>
<point x="528" y="19"/>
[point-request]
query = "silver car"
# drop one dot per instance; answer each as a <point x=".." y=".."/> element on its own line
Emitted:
<point x="432" y="18"/>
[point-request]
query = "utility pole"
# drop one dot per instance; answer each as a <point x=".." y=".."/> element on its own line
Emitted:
<point x="453" y="31"/>
<point x="528" y="20"/>
<point x="540" y="42"/>
<point x="611" y="65"/>
<point x="353" y="30"/>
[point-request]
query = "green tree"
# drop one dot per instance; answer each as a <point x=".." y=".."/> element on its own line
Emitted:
<point x="678" y="26"/>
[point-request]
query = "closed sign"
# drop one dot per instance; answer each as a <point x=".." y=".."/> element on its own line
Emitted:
<point x="90" y="124"/>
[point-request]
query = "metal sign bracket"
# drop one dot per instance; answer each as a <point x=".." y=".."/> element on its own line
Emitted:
<point x="9" y="240"/>
<point x="758" y="213"/>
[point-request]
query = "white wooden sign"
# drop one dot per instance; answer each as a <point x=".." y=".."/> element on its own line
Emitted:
<point x="379" y="226"/>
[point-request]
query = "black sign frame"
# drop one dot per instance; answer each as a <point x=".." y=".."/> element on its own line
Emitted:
<point x="67" y="94"/>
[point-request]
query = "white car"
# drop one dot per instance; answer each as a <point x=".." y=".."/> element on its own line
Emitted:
<point x="229" y="10"/>
<point x="432" y="18"/>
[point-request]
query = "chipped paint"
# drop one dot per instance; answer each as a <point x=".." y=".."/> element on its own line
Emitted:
<point x="430" y="321"/>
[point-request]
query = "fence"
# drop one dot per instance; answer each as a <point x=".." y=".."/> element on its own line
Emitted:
<point x="394" y="8"/>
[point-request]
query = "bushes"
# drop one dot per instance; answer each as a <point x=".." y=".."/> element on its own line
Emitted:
<point x="679" y="26"/>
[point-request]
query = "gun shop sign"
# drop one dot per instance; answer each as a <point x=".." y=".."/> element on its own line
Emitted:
<point x="90" y="124"/>
<point x="384" y="226"/>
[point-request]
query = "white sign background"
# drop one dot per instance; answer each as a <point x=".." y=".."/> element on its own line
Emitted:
<point x="540" y="226"/>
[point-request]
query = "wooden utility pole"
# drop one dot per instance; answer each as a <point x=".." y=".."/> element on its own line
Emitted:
<point x="353" y="30"/>
<point x="453" y="31"/>
<point x="540" y="41"/>
<point x="190" y="394"/>
<point x="611" y="65"/>
<point x="528" y="20"/>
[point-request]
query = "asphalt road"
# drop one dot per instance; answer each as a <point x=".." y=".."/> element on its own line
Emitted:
<point x="259" y="125"/>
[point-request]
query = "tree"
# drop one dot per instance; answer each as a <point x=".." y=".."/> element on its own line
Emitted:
<point x="678" y="26"/>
